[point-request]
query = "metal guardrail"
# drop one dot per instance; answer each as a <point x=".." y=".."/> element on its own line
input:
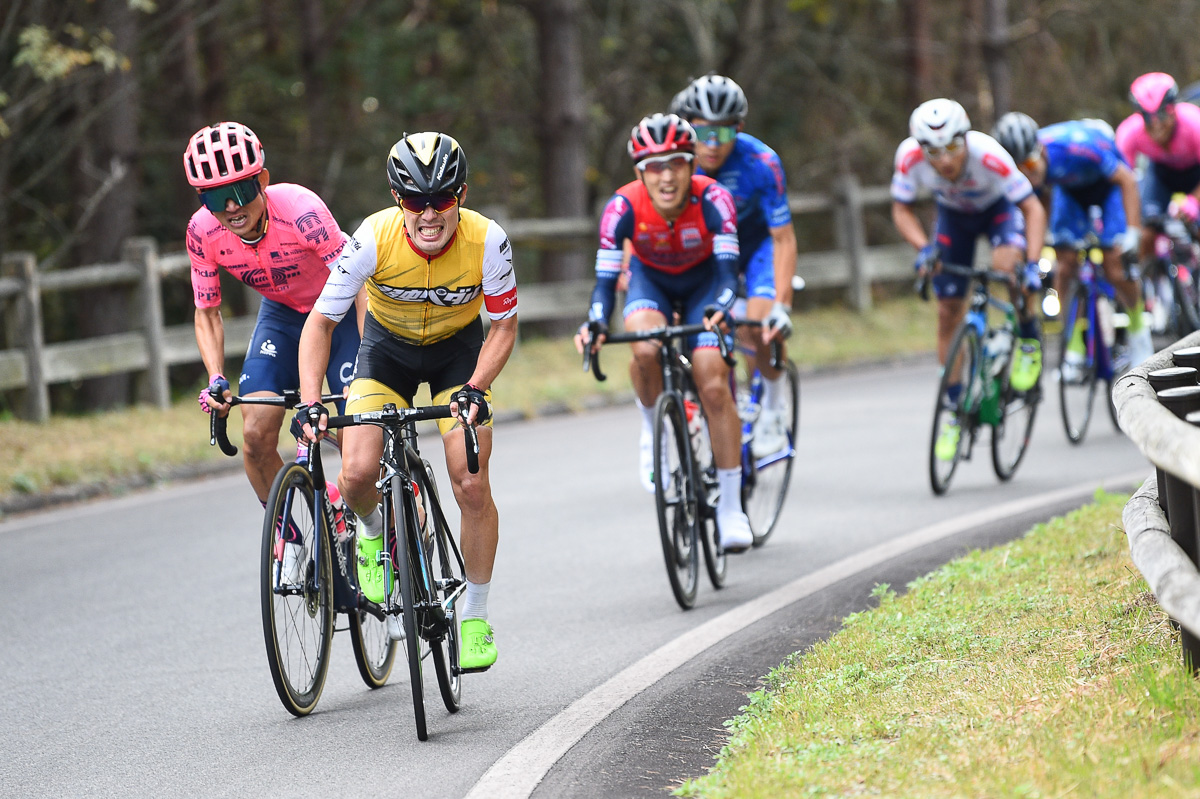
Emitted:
<point x="1160" y="519"/>
<point x="151" y="348"/>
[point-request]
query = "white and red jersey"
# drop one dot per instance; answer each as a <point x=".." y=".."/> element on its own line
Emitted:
<point x="1182" y="152"/>
<point x="988" y="175"/>
<point x="289" y="264"/>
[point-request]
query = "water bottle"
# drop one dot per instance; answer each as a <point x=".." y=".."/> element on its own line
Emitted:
<point x="695" y="422"/>
<point x="1104" y="315"/>
<point x="339" y="511"/>
<point x="998" y="346"/>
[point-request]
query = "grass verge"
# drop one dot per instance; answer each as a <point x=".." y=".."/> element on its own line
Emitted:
<point x="1042" y="668"/>
<point x="542" y="374"/>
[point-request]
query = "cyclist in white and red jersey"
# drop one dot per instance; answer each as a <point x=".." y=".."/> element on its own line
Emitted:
<point x="979" y="191"/>
<point x="281" y="241"/>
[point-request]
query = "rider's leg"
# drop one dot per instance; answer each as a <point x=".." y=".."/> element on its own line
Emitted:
<point x="260" y="439"/>
<point x="645" y="373"/>
<point x="724" y="428"/>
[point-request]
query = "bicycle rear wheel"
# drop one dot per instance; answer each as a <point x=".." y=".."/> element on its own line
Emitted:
<point x="766" y="482"/>
<point x="1077" y="372"/>
<point x="374" y="650"/>
<point x="1011" y="433"/>
<point x="405" y="567"/>
<point x="447" y="574"/>
<point x="297" y="619"/>
<point x="963" y="365"/>
<point x="675" y="496"/>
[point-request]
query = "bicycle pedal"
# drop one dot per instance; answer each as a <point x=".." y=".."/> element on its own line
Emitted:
<point x="460" y="670"/>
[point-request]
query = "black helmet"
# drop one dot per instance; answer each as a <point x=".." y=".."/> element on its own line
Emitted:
<point x="1017" y="133"/>
<point x="427" y="163"/>
<point x="713" y="98"/>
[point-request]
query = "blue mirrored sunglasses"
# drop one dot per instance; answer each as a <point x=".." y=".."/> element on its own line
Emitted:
<point x="715" y="135"/>
<point x="242" y="193"/>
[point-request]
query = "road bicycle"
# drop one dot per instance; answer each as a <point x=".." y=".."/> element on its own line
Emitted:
<point x="424" y="571"/>
<point x="979" y="360"/>
<point x="1168" y="281"/>
<point x="1094" y="347"/>
<point x="766" y="477"/>
<point x="298" y="616"/>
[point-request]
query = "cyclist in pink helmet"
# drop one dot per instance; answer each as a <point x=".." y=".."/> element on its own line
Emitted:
<point x="1167" y="133"/>
<point x="280" y="240"/>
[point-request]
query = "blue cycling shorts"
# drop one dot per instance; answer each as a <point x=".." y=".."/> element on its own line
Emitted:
<point x="1070" y="221"/>
<point x="693" y="290"/>
<point x="956" y="232"/>
<point x="1160" y="182"/>
<point x="272" y="359"/>
<point x="758" y="271"/>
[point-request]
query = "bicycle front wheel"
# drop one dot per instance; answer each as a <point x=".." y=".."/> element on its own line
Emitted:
<point x="405" y="566"/>
<point x="1076" y="368"/>
<point x="715" y="560"/>
<point x="374" y="650"/>
<point x="767" y="478"/>
<point x="952" y="420"/>
<point x="446" y="571"/>
<point x="675" y="496"/>
<point x="1014" y="428"/>
<point x="298" y="616"/>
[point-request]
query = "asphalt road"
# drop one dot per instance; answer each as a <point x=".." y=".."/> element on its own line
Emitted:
<point x="133" y="656"/>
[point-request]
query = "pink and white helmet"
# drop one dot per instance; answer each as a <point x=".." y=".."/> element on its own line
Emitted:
<point x="222" y="153"/>
<point x="1152" y="91"/>
<point x="937" y="122"/>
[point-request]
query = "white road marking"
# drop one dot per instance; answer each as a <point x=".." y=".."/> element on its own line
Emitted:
<point x="517" y="774"/>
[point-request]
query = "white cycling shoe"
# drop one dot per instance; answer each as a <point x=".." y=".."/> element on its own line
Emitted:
<point x="646" y="460"/>
<point x="395" y="629"/>
<point x="292" y="572"/>
<point x="1141" y="346"/>
<point x="733" y="530"/>
<point x="770" y="436"/>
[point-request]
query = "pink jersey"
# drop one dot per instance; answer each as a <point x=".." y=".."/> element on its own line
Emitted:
<point x="289" y="265"/>
<point x="1182" y="151"/>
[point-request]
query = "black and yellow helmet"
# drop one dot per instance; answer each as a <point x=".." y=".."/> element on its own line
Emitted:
<point x="427" y="163"/>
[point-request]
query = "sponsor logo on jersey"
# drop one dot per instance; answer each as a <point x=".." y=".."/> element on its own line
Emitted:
<point x="440" y="295"/>
<point x="690" y="237"/>
<point x="267" y="348"/>
<point x="996" y="165"/>
<point x="312" y="228"/>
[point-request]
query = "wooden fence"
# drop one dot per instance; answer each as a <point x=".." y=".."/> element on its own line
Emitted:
<point x="150" y="347"/>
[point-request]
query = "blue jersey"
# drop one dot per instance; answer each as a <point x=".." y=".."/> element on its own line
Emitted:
<point x="1079" y="153"/>
<point x="754" y="176"/>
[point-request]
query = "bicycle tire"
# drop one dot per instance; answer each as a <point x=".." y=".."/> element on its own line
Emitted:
<point x="297" y="626"/>
<point x="716" y="562"/>
<point x="675" y="498"/>
<point x="444" y="570"/>
<point x="1185" y="310"/>
<point x="768" y="478"/>
<point x="408" y="598"/>
<point x="374" y="650"/>
<point x="966" y="343"/>
<point x="1077" y="395"/>
<point x="1018" y="410"/>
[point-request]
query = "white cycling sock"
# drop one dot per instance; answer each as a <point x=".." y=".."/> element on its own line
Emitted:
<point x="729" y="481"/>
<point x="475" y="600"/>
<point x="372" y="524"/>
<point x="772" y="394"/>
<point x="647" y="416"/>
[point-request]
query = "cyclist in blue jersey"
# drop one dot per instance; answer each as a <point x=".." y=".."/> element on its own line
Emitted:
<point x="716" y="106"/>
<point x="1081" y="164"/>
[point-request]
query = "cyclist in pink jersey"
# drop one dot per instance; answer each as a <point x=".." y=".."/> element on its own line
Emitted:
<point x="1167" y="132"/>
<point x="279" y="240"/>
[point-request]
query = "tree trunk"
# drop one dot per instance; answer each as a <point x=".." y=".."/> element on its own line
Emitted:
<point x="995" y="55"/>
<point x="562" y="132"/>
<point x="109" y="168"/>
<point x="919" y="50"/>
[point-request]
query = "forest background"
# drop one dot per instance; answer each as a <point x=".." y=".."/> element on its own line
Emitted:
<point x="98" y="98"/>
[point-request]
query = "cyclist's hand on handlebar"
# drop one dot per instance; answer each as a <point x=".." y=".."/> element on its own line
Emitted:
<point x="1130" y="240"/>
<point x="1031" y="280"/>
<point x="927" y="260"/>
<point x="591" y="334"/>
<point x="215" y="396"/>
<point x="470" y="405"/>
<point x="778" y="324"/>
<point x="310" y="422"/>
<point x="720" y="311"/>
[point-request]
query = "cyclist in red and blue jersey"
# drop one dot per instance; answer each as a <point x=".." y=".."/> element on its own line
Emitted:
<point x="280" y="240"/>
<point x="716" y="106"/>
<point x="683" y="232"/>
<point x="979" y="192"/>
<point x="1080" y="163"/>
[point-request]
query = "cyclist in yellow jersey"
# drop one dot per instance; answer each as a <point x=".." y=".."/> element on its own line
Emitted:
<point x="430" y="266"/>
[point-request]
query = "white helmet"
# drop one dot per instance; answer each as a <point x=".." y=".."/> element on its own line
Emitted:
<point x="937" y="122"/>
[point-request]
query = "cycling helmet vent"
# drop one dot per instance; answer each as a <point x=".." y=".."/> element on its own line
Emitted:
<point x="222" y="153"/>
<point x="427" y="163"/>
<point x="713" y="98"/>
<point x="937" y="122"/>
<point x="660" y="134"/>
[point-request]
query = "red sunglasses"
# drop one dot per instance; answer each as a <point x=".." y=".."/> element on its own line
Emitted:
<point x="417" y="203"/>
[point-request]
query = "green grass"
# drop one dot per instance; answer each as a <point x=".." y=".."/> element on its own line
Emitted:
<point x="112" y="446"/>
<point x="1042" y="668"/>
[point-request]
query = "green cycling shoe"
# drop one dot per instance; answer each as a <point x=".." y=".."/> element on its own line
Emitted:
<point x="947" y="443"/>
<point x="370" y="569"/>
<point x="477" y="645"/>
<point x="1026" y="364"/>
